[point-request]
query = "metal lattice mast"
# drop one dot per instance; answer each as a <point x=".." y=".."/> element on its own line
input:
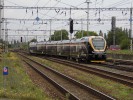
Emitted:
<point x="131" y="35"/>
<point x="0" y="19"/>
<point x="88" y="2"/>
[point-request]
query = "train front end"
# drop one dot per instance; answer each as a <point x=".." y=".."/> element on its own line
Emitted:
<point x="33" y="48"/>
<point x="97" y="52"/>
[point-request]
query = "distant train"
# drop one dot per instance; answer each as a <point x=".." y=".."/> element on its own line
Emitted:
<point x="90" y="49"/>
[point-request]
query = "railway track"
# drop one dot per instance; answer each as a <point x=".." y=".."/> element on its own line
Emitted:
<point x="118" y="64"/>
<point x="121" y="78"/>
<point x="115" y="64"/>
<point x="120" y="61"/>
<point x="65" y="84"/>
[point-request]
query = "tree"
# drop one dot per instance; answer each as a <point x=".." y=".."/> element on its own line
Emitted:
<point x="121" y="38"/>
<point x="1" y="40"/>
<point x="101" y="33"/>
<point x="85" y="33"/>
<point x="57" y="35"/>
<point x="124" y="43"/>
<point x="105" y="36"/>
<point x="33" y="40"/>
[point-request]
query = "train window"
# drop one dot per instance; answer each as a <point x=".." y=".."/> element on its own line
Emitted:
<point x="73" y="48"/>
<point x="78" y="47"/>
<point x="98" y="43"/>
<point x="59" y="47"/>
<point x="66" y="48"/>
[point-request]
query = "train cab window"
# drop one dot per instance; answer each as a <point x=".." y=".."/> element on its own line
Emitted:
<point x="98" y="43"/>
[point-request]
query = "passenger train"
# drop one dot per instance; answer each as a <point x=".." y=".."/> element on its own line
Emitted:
<point x="90" y="49"/>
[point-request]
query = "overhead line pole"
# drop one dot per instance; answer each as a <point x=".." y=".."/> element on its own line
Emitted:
<point x="6" y="38"/>
<point x="50" y="30"/>
<point x="131" y="35"/>
<point x="82" y="27"/>
<point x="0" y="19"/>
<point x="88" y="2"/>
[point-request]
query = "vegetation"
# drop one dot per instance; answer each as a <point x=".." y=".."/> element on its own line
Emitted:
<point x="1" y="40"/>
<point x="33" y="40"/>
<point x="120" y="52"/>
<point x="121" y="35"/>
<point x="58" y="34"/>
<point x="117" y="90"/>
<point x="17" y="84"/>
<point x="83" y="33"/>
<point x="122" y="38"/>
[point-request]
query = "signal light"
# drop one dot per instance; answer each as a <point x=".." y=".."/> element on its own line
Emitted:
<point x="71" y="26"/>
<point x="21" y="39"/>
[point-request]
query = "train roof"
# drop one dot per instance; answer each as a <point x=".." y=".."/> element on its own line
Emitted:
<point x="74" y="40"/>
<point x="83" y="39"/>
<point x="32" y="43"/>
<point x="42" y="42"/>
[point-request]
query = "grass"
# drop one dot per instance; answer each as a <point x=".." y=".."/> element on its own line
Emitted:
<point x="17" y="84"/>
<point x="120" y="52"/>
<point x="112" y="88"/>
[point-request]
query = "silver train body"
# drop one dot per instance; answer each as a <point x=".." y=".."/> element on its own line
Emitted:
<point x="92" y="48"/>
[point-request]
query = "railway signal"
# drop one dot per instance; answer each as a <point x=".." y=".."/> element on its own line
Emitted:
<point x="21" y="39"/>
<point x="71" y="25"/>
<point x="113" y="28"/>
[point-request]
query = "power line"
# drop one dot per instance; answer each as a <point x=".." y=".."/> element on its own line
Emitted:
<point x="65" y="3"/>
<point x="15" y="19"/>
<point x="37" y="2"/>
<point x="65" y="11"/>
<point x="34" y="5"/>
<point x="118" y="3"/>
<point x="63" y="8"/>
<point x="84" y="3"/>
<point x="45" y="13"/>
<point x="30" y="30"/>
<point x="112" y="9"/>
<point x="12" y="2"/>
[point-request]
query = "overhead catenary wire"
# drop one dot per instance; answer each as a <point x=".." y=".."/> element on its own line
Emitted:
<point x="49" y="11"/>
<point x="111" y="7"/>
<point x="81" y="4"/>
<point x="35" y="6"/>
<point x="101" y="10"/>
<point x="65" y="12"/>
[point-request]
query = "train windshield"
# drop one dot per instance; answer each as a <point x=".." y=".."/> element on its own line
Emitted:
<point x="98" y="43"/>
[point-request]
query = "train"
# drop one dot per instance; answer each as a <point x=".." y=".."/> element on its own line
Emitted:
<point x="89" y="49"/>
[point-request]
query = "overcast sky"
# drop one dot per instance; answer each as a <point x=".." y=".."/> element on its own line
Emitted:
<point x="63" y="14"/>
